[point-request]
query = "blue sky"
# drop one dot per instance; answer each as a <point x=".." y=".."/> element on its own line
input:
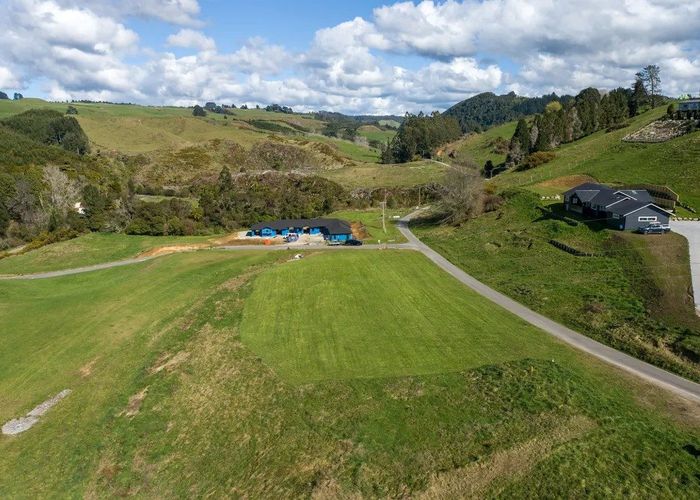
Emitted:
<point x="357" y="56"/>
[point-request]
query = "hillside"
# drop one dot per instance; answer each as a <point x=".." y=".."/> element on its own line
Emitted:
<point x="488" y="109"/>
<point x="184" y="384"/>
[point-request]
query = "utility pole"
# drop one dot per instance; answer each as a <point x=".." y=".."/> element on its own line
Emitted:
<point x="384" y="212"/>
<point x="419" y="188"/>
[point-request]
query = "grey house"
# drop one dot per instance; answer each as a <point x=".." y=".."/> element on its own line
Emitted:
<point x="623" y="209"/>
<point x="689" y="105"/>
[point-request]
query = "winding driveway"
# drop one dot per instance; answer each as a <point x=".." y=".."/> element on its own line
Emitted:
<point x="691" y="231"/>
<point x="657" y="376"/>
<point x="674" y="383"/>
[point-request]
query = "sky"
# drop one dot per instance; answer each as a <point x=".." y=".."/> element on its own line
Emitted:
<point x="352" y="56"/>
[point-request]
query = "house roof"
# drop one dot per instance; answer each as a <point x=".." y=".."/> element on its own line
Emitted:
<point x="333" y="226"/>
<point x="604" y="196"/>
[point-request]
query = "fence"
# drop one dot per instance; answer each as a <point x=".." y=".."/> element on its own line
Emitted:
<point x="572" y="250"/>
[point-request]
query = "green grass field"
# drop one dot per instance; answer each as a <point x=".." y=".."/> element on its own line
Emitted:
<point x="479" y="148"/>
<point x="632" y="297"/>
<point x="606" y="158"/>
<point x="92" y="248"/>
<point x="378" y="175"/>
<point x="371" y="219"/>
<point x="373" y="133"/>
<point x="169" y="401"/>
<point x="411" y="330"/>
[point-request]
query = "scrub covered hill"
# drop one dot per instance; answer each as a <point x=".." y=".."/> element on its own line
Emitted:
<point x="488" y="109"/>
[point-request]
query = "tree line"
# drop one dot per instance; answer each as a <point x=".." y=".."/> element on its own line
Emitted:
<point x="419" y="135"/>
<point x="588" y="112"/>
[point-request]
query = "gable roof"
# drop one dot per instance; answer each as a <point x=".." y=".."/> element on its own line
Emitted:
<point x="604" y="196"/>
<point x="333" y="226"/>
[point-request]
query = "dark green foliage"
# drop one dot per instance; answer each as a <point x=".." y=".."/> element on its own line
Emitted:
<point x="17" y="149"/>
<point x="586" y="114"/>
<point x="95" y="204"/>
<point x="50" y="127"/>
<point x="486" y="110"/>
<point x="536" y="159"/>
<point x="198" y="111"/>
<point x="614" y="108"/>
<point x="639" y="97"/>
<point x="3" y="95"/>
<point x="72" y="110"/>
<point x="671" y="110"/>
<point x="587" y="104"/>
<point x="169" y="217"/>
<point x="18" y="96"/>
<point x="651" y="78"/>
<point x="279" y="109"/>
<point x="246" y="199"/>
<point x="418" y="135"/>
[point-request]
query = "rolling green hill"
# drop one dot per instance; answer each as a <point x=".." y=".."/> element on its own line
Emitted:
<point x="603" y="156"/>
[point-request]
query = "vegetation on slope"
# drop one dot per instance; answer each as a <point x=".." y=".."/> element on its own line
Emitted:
<point x="485" y="110"/>
<point x="174" y="403"/>
<point x="614" y="297"/>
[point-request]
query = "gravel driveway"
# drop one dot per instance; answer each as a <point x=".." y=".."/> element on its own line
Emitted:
<point x="691" y="231"/>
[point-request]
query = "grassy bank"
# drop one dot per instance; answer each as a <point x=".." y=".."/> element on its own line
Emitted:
<point x="92" y="248"/>
<point x="169" y="401"/>
<point x="633" y="296"/>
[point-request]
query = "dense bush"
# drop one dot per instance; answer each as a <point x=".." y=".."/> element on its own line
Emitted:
<point x="168" y="217"/>
<point x="249" y="198"/>
<point x="536" y="159"/>
<point x="419" y="135"/>
<point x="50" y="127"/>
<point x="487" y="109"/>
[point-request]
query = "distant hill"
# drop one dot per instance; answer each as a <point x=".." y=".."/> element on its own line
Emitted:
<point x="488" y="109"/>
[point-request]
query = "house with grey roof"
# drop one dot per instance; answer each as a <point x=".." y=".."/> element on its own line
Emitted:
<point x="623" y="209"/>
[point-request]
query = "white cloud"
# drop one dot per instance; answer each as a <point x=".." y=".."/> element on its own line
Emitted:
<point x="257" y="56"/>
<point x="8" y="79"/>
<point x="180" y="12"/>
<point x="405" y="57"/>
<point x="192" y="39"/>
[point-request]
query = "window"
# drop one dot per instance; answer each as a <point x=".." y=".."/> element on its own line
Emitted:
<point x="616" y="216"/>
<point x="647" y="219"/>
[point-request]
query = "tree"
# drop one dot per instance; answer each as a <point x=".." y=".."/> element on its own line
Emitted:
<point x="95" y="205"/>
<point x="521" y="137"/>
<point x="18" y="96"/>
<point x="638" y="97"/>
<point x="198" y="111"/>
<point x="3" y="95"/>
<point x="488" y="168"/>
<point x="63" y="192"/>
<point x="72" y="110"/>
<point x="463" y="195"/>
<point x="651" y="77"/>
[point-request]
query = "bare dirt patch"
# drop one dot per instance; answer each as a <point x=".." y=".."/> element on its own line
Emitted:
<point x="474" y="480"/>
<point x="359" y="231"/>
<point x="166" y="250"/>
<point x="134" y="405"/>
<point x="86" y="370"/>
<point x="168" y="363"/>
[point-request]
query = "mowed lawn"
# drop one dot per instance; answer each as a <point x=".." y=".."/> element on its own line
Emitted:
<point x="378" y="314"/>
<point x="89" y="249"/>
<point x="169" y="401"/>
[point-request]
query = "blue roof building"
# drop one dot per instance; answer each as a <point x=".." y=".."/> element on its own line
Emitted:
<point x="331" y="229"/>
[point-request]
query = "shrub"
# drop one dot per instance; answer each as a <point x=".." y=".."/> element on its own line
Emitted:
<point x="198" y="111"/>
<point x="536" y="159"/>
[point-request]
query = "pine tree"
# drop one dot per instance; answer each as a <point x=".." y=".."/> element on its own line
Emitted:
<point x="651" y="78"/>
